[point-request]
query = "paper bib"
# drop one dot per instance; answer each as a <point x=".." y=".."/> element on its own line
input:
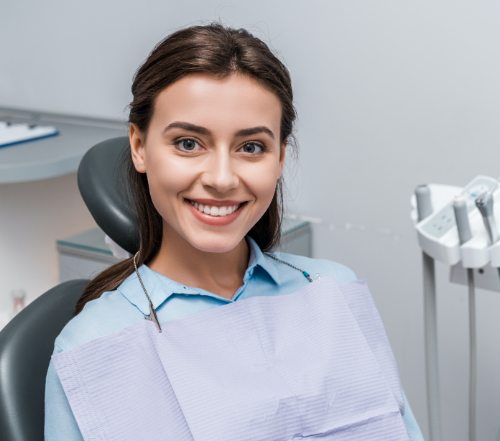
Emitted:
<point x="314" y="364"/>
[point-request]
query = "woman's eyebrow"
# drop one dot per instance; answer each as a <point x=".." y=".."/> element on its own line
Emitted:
<point x="204" y="131"/>
<point x="254" y="131"/>
<point x="187" y="126"/>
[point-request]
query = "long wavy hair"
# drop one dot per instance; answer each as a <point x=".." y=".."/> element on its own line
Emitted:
<point x="219" y="51"/>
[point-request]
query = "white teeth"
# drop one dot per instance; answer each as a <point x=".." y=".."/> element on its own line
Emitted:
<point x="215" y="211"/>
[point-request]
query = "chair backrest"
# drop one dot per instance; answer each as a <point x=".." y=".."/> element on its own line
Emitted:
<point x="26" y="344"/>
<point x="102" y="181"/>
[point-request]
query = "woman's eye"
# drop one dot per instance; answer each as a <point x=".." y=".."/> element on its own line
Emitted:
<point x="253" y="147"/>
<point x="187" y="144"/>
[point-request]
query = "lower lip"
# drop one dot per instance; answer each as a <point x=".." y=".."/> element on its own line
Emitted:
<point x="214" y="220"/>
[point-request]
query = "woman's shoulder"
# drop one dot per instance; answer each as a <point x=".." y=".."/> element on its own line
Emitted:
<point x="103" y="316"/>
<point x="322" y="267"/>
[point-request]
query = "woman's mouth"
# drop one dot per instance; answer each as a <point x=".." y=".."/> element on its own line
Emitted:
<point x="216" y="215"/>
<point x="215" y="211"/>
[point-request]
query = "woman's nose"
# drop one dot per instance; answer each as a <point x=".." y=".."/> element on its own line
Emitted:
<point x="219" y="173"/>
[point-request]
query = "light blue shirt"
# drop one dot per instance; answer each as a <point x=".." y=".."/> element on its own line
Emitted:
<point x="115" y="310"/>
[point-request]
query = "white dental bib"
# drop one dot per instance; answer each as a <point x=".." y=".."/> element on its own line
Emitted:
<point x="314" y="364"/>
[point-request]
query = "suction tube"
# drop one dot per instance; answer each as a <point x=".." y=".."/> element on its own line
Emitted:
<point x="424" y="209"/>
<point x="464" y="235"/>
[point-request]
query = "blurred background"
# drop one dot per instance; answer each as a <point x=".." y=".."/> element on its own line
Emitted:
<point x="390" y="94"/>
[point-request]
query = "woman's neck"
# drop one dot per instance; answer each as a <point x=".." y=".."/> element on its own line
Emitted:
<point x="220" y="273"/>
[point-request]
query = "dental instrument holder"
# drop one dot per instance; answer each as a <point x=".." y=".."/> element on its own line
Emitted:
<point x="438" y="235"/>
<point x="439" y="239"/>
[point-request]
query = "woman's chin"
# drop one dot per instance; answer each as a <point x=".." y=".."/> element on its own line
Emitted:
<point x="216" y="246"/>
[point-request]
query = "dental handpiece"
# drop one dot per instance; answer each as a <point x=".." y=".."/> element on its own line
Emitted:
<point x="424" y="202"/>
<point x="462" y="219"/>
<point x="484" y="203"/>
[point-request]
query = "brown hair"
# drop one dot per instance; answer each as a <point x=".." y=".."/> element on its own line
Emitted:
<point x="220" y="51"/>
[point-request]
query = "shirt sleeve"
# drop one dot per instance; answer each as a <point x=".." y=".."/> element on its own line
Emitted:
<point x="60" y="423"/>
<point x="411" y="423"/>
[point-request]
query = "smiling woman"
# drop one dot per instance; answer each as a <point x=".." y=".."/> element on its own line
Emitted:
<point x="201" y="172"/>
<point x="254" y="347"/>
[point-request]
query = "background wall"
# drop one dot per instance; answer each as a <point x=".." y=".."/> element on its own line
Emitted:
<point x="390" y="94"/>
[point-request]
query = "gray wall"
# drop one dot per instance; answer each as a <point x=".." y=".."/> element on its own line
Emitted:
<point x="390" y="94"/>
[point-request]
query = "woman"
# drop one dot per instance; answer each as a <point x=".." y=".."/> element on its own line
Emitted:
<point x="210" y="124"/>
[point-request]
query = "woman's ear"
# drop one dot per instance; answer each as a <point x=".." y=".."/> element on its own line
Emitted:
<point x="136" y="140"/>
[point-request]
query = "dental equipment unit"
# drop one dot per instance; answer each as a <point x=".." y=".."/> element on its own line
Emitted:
<point x="456" y="226"/>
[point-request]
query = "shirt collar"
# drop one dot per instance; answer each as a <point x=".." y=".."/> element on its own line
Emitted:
<point x="259" y="259"/>
<point x="160" y="287"/>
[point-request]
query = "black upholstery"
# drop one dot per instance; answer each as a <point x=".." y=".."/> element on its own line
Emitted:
<point x="26" y="344"/>
<point x="102" y="182"/>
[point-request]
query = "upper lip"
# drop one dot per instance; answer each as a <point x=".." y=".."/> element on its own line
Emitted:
<point x="215" y="202"/>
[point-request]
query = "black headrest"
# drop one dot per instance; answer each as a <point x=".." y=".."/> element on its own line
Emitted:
<point x="102" y="180"/>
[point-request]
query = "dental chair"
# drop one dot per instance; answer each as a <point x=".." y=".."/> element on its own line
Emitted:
<point x="102" y="181"/>
<point x="26" y="344"/>
<point x="27" y="341"/>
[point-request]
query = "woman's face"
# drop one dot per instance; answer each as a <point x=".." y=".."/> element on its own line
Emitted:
<point x="213" y="157"/>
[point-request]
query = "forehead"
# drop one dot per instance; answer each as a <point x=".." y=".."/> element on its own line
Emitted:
<point x="235" y="101"/>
